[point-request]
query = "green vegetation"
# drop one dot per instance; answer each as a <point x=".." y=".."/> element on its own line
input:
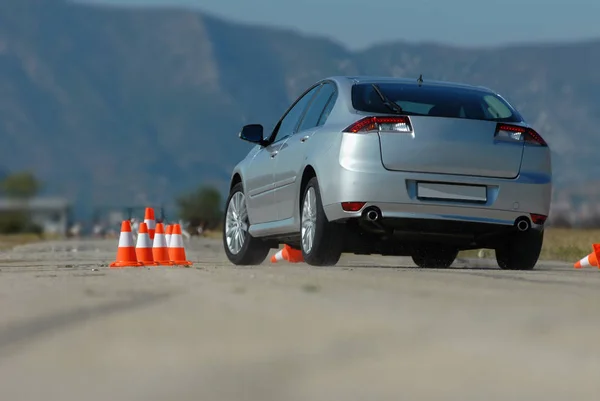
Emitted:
<point x="18" y="188"/>
<point x="21" y="185"/>
<point x="201" y="207"/>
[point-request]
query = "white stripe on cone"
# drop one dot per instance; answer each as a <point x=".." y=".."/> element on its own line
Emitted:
<point x="585" y="262"/>
<point x="150" y="223"/>
<point x="176" y="241"/>
<point x="144" y="241"/>
<point x="159" y="241"/>
<point x="126" y="240"/>
<point x="168" y="239"/>
<point x="279" y="256"/>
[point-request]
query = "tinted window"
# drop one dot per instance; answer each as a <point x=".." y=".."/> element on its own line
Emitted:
<point x="435" y="101"/>
<point x="290" y="121"/>
<point x="313" y="115"/>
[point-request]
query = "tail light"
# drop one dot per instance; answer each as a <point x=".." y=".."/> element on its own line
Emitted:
<point x="538" y="218"/>
<point x="519" y="134"/>
<point x="387" y="124"/>
<point x="352" y="206"/>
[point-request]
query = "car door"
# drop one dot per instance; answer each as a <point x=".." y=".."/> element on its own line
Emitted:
<point x="260" y="175"/>
<point x="260" y="186"/>
<point x="291" y="158"/>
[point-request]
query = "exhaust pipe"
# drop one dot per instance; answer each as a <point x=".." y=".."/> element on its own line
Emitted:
<point x="372" y="214"/>
<point x="523" y="224"/>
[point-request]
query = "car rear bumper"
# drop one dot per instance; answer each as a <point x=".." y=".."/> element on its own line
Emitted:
<point x="395" y="195"/>
<point x="335" y="212"/>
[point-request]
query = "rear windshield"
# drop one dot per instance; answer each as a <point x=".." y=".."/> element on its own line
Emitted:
<point x="434" y="101"/>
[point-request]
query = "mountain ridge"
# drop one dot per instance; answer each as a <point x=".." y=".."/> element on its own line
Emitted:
<point x="110" y="105"/>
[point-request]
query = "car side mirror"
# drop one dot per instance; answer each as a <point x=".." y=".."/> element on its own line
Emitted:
<point x="252" y="133"/>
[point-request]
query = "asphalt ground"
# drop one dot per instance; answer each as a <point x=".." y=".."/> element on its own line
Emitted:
<point x="371" y="328"/>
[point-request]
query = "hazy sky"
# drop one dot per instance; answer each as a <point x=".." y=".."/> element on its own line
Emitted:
<point x="358" y="23"/>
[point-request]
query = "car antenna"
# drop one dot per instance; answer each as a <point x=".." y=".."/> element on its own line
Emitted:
<point x="420" y="80"/>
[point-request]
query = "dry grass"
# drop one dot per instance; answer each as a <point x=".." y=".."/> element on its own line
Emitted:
<point x="213" y="234"/>
<point x="8" y="241"/>
<point x="561" y="244"/>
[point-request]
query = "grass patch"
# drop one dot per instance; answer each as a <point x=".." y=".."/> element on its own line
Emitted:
<point x="213" y="234"/>
<point x="564" y="244"/>
<point x="8" y="241"/>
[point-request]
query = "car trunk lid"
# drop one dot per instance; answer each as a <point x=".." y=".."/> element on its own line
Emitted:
<point x="460" y="146"/>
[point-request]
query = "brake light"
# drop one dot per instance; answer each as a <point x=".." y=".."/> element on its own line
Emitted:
<point x="533" y="137"/>
<point x="387" y="124"/>
<point x="538" y="218"/>
<point x="352" y="206"/>
<point x="519" y="134"/>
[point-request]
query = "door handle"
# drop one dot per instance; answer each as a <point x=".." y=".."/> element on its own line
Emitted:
<point x="274" y="154"/>
<point x="304" y="139"/>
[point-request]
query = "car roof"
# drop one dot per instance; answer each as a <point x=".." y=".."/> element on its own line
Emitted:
<point x="368" y="79"/>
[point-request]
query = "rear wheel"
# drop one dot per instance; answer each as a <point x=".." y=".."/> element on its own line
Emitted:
<point x="321" y="240"/>
<point x="521" y="251"/>
<point x="241" y="248"/>
<point x="434" y="257"/>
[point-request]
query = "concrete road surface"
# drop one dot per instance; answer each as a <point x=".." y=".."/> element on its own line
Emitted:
<point x="372" y="328"/>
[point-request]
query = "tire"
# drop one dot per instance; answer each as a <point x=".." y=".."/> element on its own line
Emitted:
<point x="253" y="251"/>
<point x="435" y="257"/>
<point x="521" y="251"/>
<point x="327" y="242"/>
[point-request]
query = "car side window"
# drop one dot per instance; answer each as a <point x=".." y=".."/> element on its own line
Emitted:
<point x="289" y="123"/>
<point x="312" y="118"/>
<point x="327" y="109"/>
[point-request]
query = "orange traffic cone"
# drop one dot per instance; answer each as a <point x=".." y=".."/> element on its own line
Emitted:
<point x="160" y="252"/>
<point x="591" y="259"/>
<point x="126" y="251"/>
<point x="168" y="234"/>
<point x="289" y="254"/>
<point x="176" y="248"/>
<point x="278" y="257"/>
<point x="150" y="221"/>
<point x="294" y="255"/>
<point x="143" y="248"/>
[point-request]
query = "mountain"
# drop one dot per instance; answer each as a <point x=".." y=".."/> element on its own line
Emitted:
<point x="118" y="106"/>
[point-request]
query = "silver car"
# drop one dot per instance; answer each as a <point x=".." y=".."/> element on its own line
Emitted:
<point x="402" y="167"/>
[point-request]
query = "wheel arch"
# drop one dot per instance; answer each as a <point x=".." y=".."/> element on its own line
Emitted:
<point x="235" y="179"/>
<point x="308" y="173"/>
